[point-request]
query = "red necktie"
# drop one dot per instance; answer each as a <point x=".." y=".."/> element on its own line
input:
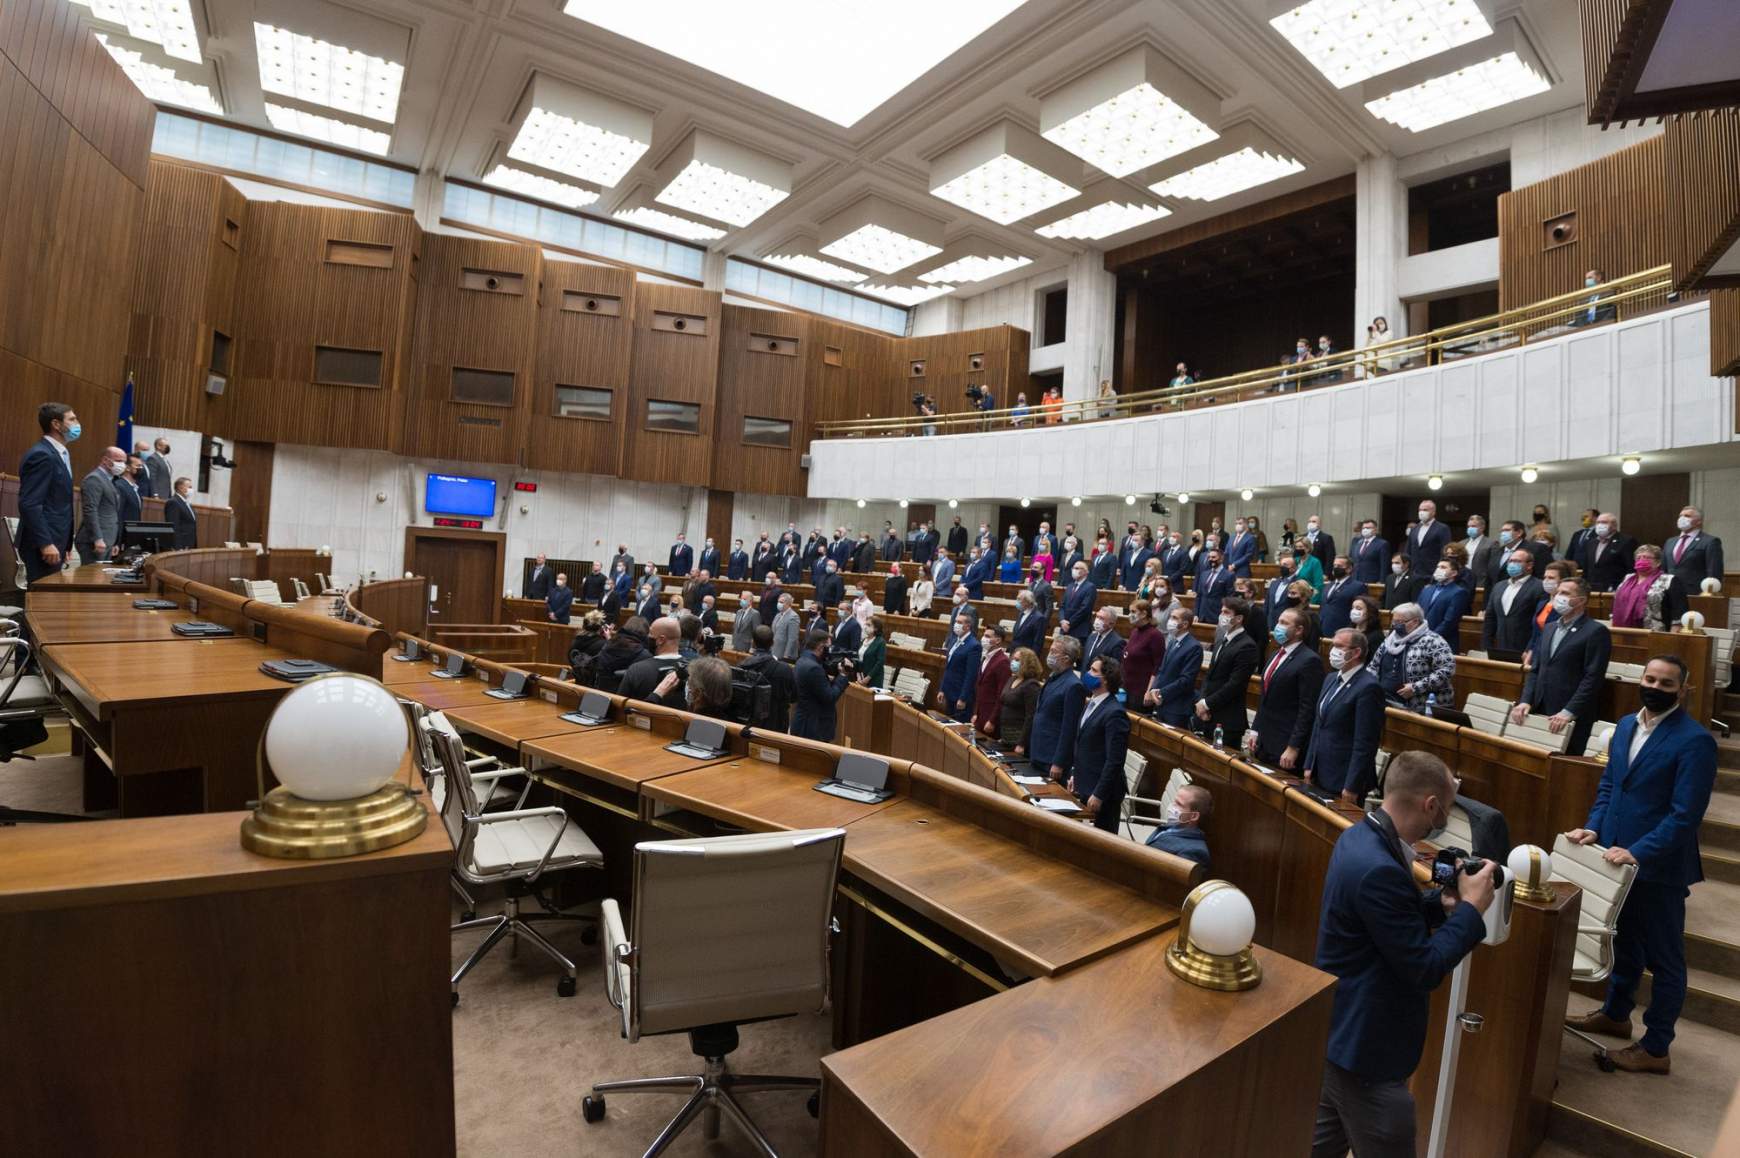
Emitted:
<point x="1273" y="664"/>
<point x="1681" y="549"/>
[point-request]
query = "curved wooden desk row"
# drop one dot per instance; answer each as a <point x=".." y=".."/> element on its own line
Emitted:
<point x="393" y="605"/>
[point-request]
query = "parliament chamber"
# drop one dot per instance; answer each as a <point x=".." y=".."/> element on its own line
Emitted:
<point x="1016" y="578"/>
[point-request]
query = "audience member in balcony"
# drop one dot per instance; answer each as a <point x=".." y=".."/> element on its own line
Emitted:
<point x="1019" y="412"/>
<point x="1053" y="405"/>
<point x="1376" y="334"/>
<point x="1414" y="664"/>
<point x="1020" y="697"/>
<point x="1570" y="669"/>
<point x="1363" y="618"/>
<point x="1445" y="600"/>
<point x="1650" y="597"/>
<point x="927" y="409"/>
<point x="1604" y="553"/>
<point x="1108" y="399"/>
<point x="1693" y="555"/>
<point x="1600" y="307"/>
<point x="1180" y="376"/>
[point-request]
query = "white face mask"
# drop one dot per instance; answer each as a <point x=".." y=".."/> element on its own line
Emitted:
<point x="1356" y="615"/>
<point x="117" y="468"/>
<point x="1551" y="585"/>
<point x="960" y="627"/>
<point x="1685" y="524"/>
<point x="1174" y="814"/>
<point x="1312" y="527"/>
<point x="1367" y="532"/>
<point x="1398" y="568"/>
<point x="1441" y="574"/>
<point x="1337" y="657"/>
<point x="1226" y="623"/>
<point x="1604" y="530"/>
<point x="1055" y="662"/>
<point x="1425" y="516"/>
<point x="1562" y="604"/>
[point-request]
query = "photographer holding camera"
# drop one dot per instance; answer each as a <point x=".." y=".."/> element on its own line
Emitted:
<point x="1390" y="945"/>
<point x="658" y="678"/>
<point x="821" y="679"/>
<point x="926" y="407"/>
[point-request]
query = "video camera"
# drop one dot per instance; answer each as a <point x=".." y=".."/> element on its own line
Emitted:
<point x="919" y="399"/>
<point x="838" y="660"/>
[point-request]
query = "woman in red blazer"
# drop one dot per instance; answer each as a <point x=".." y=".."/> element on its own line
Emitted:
<point x="1142" y="652"/>
<point x="993" y="678"/>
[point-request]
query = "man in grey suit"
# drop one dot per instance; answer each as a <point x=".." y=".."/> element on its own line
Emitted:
<point x="785" y="631"/>
<point x="101" y="507"/>
<point x="157" y="466"/>
<point x="744" y="624"/>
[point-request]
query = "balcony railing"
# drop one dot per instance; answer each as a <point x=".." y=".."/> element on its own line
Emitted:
<point x="1621" y="298"/>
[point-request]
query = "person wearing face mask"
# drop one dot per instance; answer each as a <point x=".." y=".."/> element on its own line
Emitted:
<point x="1057" y="715"/>
<point x="1161" y="600"/>
<point x="942" y="572"/>
<point x="1069" y="555"/>
<point x="559" y="603"/>
<point x="864" y="554"/>
<point x="1512" y="536"/>
<point x="830" y="588"/>
<point x="1175" y="560"/>
<point x="1103" y="640"/>
<point x="1692" y="554"/>
<point x="1512" y="605"/>
<point x="1317" y="543"/>
<point x="1291" y="681"/>
<point x="699" y="589"/>
<point x="1301" y="355"/>
<point x="892" y="547"/>
<point x="1171" y="694"/>
<point x="1446" y="601"/>
<point x="894" y="591"/>
<point x="1600" y="307"/>
<point x="1241" y="549"/>
<point x="1044" y="597"/>
<point x="1556" y="571"/>
<point x="1133" y="561"/>
<point x="1570" y="668"/>
<point x="1102" y="740"/>
<point x="737" y="563"/>
<point x="682" y="557"/>
<point x="763" y="557"/>
<point x="1543" y="521"/>
<point x="100" y="527"/>
<point x="1604" y="554"/>
<point x="814" y="716"/>
<point x="1389" y="945"/>
<point x="1426" y="542"/>
<point x="1585" y="527"/>
<point x="1229" y="673"/>
<point x="1370" y="554"/>
<point x="127" y="491"/>
<point x="978" y="573"/>
<point x="1044" y="561"/>
<point x="1030" y="625"/>
<point x="920" y="596"/>
<point x="1363" y="618"/>
<point x="1661" y="769"/>
<point x="993" y="677"/>
<point x="1257" y="619"/>
<point x="179" y="511"/>
<point x="1214" y="583"/>
<point x="1338" y="595"/>
<point x="1182" y="834"/>
<point x="957" y="540"/>
<point x="1649" y="598"/>
<point x="1480" y="549"/>
<point x="1074" y="617"/>
<point x="961" y="610"/>
<point x="1347" y="722"/>
<point x="1415" y="665"/>
<point x="709" y="560"/>
<point x="1143" y="651"/>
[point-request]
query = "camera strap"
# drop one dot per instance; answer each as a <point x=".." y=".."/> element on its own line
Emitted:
<point x="1380" y="820"/>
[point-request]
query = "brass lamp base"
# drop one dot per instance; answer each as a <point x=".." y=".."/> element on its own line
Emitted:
<point x="1228" y="974"/>
<point x="1523" y="891"/>
<point x="293" y="828"/>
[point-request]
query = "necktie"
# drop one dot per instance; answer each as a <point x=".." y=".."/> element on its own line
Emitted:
<point x="1335" y="686"/>
<point x="1681" y="549"/>
<point x="1273" y="664"/>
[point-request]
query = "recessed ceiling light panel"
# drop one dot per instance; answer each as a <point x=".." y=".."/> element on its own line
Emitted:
<point x="815" y="267"/>
<point x="640" y="209"/>
<point x="1352" y="40"/>
<point x="518" y="180"/>
<point x="168" y="23"/>
<point x="567" y="129"/>
<point x="1095" y="220"/>
<point x="723" y="180"/>
<point x="1129" y="113"/>
<point x="974" y="267"/>
<point x="1224" y="176"/>
<point x="303" y="123"/>
<point x="158" y="80"/>
<point x="875" y="233"/>
<point x="1486" y="84"/>
<point x="1005" y="173"/>
<point x="313" y="71"/>
<point x="907" y="295"/>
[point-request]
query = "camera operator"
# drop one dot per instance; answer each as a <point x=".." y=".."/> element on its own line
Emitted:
<point x="926" y="407"/>
<point x="775" y="671"/>
<point x="1390" y="945"/>
<point x="817" y="689"/>
<point x="659" y="677"/>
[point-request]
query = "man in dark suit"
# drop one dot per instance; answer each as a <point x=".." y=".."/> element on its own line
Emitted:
<point x="791" y="565"/>
<point x="1511" y="605"/>
<point x="1400" y="585"/>
<point x="957" y="537"/>
<point x="1586" y="525"/>
<point x="1222" y="701"/>
<point x="924" y="545"/>
<point x="1318" y="542"/>
<point x="1349" y="722"/>
<point x="1172" y="695"/>
<point x="1241" y="549"/>
<point x="1292" y="679"/>
<point x="737" y="564"/>
<point x="1029" y="624"/>
<point x="1074" y="617"/>
<point x="1132" y="561"/>
<point x="146" y="488"/>
<point x="942" y="570"/>
<point x="1661" y="768"/>
<point x="697" y="591"/>
<point x="814" y="717"/>
<point x="1371" y="555"/>
<point x="1692" y="555"/>
<point x="831" y="589"/>
<point x="768" y="604"/>
<point x="1513" y="536"/>
<point x="45" y="493"/>
<point x="1482" y="550"/>
<point x="648" y="608"/>
<point x="709" y="560"/>
<point x="841" y="549"/>
<point x="892" y="548"/>
<point x="1389" y="945"/>
<point x="1102" y="571"/>
<point x="1276" y="596"/>
<point x="1175" y="562"/>
<point x="127" y="491"/>
<point x="100" y="521"/>
<point x="1103" y="641"/>
<point x="977" y="573"/>
<point x="864" y="555"/>
<point x="1570" y="668"/>
<point x="961" y="608"/>
<point x="622" y="556"/>
<point x="960" y="677"/>
<point x="1605" y="553"/>
<point x="763" y="557"/>
<point x="1057" y="714"/>
<point x="181" y="515"/>
<point x="1425" y="545"/>
<point x="1101" y="742"/>
<point x="1336" y="603"/>
<point x="538" y="585"/>
<point x="682" y="557"/>
<point x="157" y="466"/>
<point x="848" y="633"/>
<point x="560" y="600"/>
<point x="1213" y="586"/>
<point x="592" y="587"/>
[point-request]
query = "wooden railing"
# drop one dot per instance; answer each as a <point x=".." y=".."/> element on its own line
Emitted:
<point x="1620" y="298"/>
<point x="396" y="605"/>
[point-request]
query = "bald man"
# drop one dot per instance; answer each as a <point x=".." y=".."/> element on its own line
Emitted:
<point x="101" y="507"/>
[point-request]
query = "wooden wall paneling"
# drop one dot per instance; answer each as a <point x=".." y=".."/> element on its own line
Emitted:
<point x="251" y="491"/>
<point x="1725" y="337"/>
<point x="1621" y="225"/>
<point x="756" y="381"/>
<point x="289" y="300"/>
<point x="74" y="138"/>
<point x="580" y="347"/>
<point x="473" y="328"/>
<point x="676" y="367"/>
<point x="1700" y="159"/>
<point x="1603" y="24"/>
<point x="853" y="374"/>
<point x="947" y="369"/>
<point x="183" y="289"/>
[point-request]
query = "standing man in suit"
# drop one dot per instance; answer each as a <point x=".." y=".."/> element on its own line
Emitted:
<point x="942" y="571"/>
<point x="892" y="548"/>
<point x="960" y="677"/>
<point x="157" y="466"/>
<point x="785" y="630"/>
<point x="682" y="556"/>
<point x="1319" y="542"/>
<point x="1102" y="569"/>
<point x="1338" y="595"/>
<point x="744" y="623"/>
<point x="993" y="679"/>
<point x="1581" y="533"/>
<point x="813" y="718"/>
<point x="1604" y="553"/>
<point x="768" y="605"/>
<point x="709" y="561"/>
<point x="1212" y="587"/>
<point x="1029" y="624"/>
<point x="1389" y="945"/>
<point x="1400" y="586"/>
<point x="1692" y="555"/>
<point x="1511" y="606"/>
<point x="45" y="493"/>
<point x="1175" y="561"/>
<point x="1661" y="768"/>
<point x="1292" y="681"/>
<point x="791" y="564"/>
<point x="762" y="559"/>
<point x="592" y="587"/>
<point x="622" y="556"/>
<point x="127" y="491"/>
<point x="100" y="525"/>
<point x="560" y="600"/>
<point x="1173" y="691"/>
<point x="1056" y="717"/>
<point x="1102" y="740"/>
<point x="1426" y="542"/>
<point x="1078" y="605"/>
<point x="737" y="565"/>
<point x="923" y="546"/>
<point x="142" y="452"/>
<point x="1132" y="561"/>
<point x="538" y="586"/>
<point x="1349" y="722"/>
<point x="848" y="633"/>
<point x="1370" y="554"/>
<point x="962" y="610"/>
<point x="978" y="570"/>
<point x="181" y="515"/>
<point x="957" y="537"/>
<point x="1513" y="536"/>
<point x="1241" y="550"/>
<point x="1044" y="594"/>
<point x="864" y="554"/>
<point x="894" y="591"/>
<point x="1481" y="552"/>
<point x="1103" y="640"/>
<point x="830" y="588"/>
<point x="1223" y="690"/>
<point x="699" y="590"/>
<point x="648" y="608"/>
<point x="1569" y="668"/>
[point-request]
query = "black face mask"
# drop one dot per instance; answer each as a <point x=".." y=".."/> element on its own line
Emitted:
<point x="1339" y="572"/>
<point x="1657" y="700"/>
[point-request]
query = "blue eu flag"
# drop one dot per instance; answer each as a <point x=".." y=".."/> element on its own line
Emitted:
<point x="124" y="425"/>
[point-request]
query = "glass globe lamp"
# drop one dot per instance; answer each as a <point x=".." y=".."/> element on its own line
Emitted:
<point x="1213" y="945"/>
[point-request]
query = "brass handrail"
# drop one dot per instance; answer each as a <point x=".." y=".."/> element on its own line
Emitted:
<point x="1632" y="293"/>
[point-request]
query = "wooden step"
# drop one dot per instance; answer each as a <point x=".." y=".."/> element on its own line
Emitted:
<point x="1593" y="1137"/>
<point x="1711" y="999"/>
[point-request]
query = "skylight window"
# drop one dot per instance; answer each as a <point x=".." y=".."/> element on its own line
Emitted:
<point x="329" y="129"/>
<point x="316" y="72"/>
<point x="160" y="83"/>
<point x="838" y="61"/>
<point x="1351" y="40"/>
<point x="168" y="23"/>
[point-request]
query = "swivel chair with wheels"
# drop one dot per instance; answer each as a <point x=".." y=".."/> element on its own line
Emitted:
<point x="1605" y="887"/>
<point x="727" y="930"/>
<point x="25" y="702"/>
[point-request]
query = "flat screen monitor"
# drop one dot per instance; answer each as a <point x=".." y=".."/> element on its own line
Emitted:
<point x="148" y="537"/>
<point x="456" y="494"/>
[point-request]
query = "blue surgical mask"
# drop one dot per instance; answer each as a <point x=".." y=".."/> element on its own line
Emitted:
<point x="1504" y="536"/>
<point x="1090" y="683"/>
<point x="1513" y="569"/>
<point x="73" y="432"/>
<point x="1474" y="532"/>
<point x="1280" y="634"/>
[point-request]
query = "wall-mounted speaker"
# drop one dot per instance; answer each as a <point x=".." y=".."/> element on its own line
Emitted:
<point x="215" y="383"/>
<point x="672" y="323"/>
<point x="1559" y="231"/>
<point x="804" y="461"/>
<point x="598" y="305"/>
<point x="975" y="362"/>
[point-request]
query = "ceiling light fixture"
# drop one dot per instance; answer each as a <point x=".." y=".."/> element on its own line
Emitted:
<point x="906" y="295"/>
<point x="1103" y="220"/>
<point x="1076" y="501"/>
<point x="518" y="180"/>
<point x="1530" y="473"/>
<point x="1246" y="494"/>
<point x="571" y="130"/>
<point x="1435" y="482"/>
<point x="954" y="503"/>
<point x="638" y="209"/>
<point x="1183" y="496"/>
<point x="723" y="180"/>
<point x="879" y="248"/>
<point x="1350" y="40"/>
<point x="303" y="123"/>
<point x="1130" y="113"/>
<point x="876" y="233"/>
<point x="160" y="82"/>
<point x="975" y="268"/>
<point x="168" y="23"/>
<point x="1487" y="84"/>
<point x="1129" y="500"/>
<point x="1313" y="490"/>
<point x="860" y="504"/>
<point x="1222" y="177"/>
<point x="804" y="264"/>
<point x="903" y="504"/>
<point x="313" y="71"/>
<point x="1005" y="173"/>
<point x="1631" y="465"/>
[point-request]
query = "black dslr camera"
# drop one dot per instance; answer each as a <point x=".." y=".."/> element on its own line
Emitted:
<point x="918" y="400"/>
<point x="975" y="392"/>
<point x="1445" y="867"/>
<point x="712" y="642"/>
<point x="840" y="659"/>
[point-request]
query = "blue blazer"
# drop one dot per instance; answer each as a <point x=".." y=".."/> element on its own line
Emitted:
<point x="1389" y="945"/>
<point x="1030" y="632"/>
<point x="710" y="561"/>
<point x="45" y="502"/>
<point x="1182" y="840"/>
<point x="1445" y="604"/>
<point x="1130" y="567"/>
<point x="1078" y="608"/>
<point x="1056" y="717"/>
<point x="1371" y="564"/>
<point x="848" y="634"/>
<point x="1176" y="680"/>
<point x="1174" y="562"/>
<point x="961" y="675"/>
<point x="1009" y="571"/>
<point x="1344" y="743"/>
<point x="682" y="559"/>
<point x="1102" y="572"/>
<point x="1333" y="611"/>
<point x="1098" y="766"/>
<point x="1653" y="807"/>
<point x="738" y="567"/>
<point x="1209" y="594"/>
<point x="560" y="601"/>
<point x="943" y="575"/>
<point x="978" y="571"/>
<point x="1241" y="552"/>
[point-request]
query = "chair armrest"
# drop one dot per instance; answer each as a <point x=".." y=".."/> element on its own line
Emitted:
<point x="492" y="777"/>
<point x="529" y="814"/>
<point x="618" y="973"/>
<point x="1596" y="931"/>
<point x="1142" y="800"/>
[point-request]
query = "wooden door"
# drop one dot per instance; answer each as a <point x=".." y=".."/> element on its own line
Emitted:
<point x="466" y="574"/>
<point x="1649" y="506"/>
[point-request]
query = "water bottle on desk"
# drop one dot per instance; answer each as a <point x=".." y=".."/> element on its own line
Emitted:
<point x="1431" y="702"/>
<point x="1219" y="737"/>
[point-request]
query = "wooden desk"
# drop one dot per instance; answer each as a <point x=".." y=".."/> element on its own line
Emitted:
<point x="89" y="577"/>
<point x="1115" y="1058"/>
<point x="623" y="756"/>
<point x="104" y="618"/>
<point x="757" y="796"/>
<point x="511" y="721"/>
<point x="165" y="992"/>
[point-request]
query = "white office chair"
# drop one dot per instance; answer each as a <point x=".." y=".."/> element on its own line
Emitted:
<point x="516" y="848"/>
<point x="1605" y="888"/>
<point x="24" y="700"/>
<point x="1144" y="814"/>
<point x="1534" y="730"/>
<point x="1486" y="713"/>
<point x="726" y="930"/>
<point x="300" y="588"/>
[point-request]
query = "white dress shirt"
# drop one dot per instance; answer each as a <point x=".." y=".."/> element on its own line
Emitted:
<point x="1646" y="729"/>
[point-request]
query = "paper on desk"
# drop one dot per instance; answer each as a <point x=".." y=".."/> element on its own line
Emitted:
<point x="1027" y="779"/>
<point x="1055" y="804"/>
